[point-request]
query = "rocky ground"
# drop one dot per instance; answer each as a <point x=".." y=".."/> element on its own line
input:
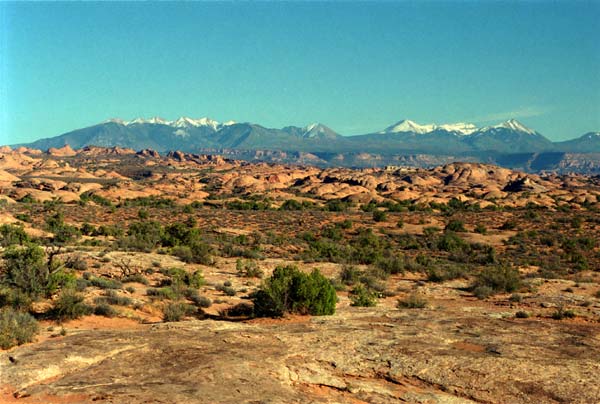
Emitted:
<point x="506" y="347"/>
<point x="446" y="353"/>
<point x="119" y="174"/>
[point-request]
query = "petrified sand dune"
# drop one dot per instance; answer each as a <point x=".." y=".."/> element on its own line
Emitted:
<point x="65" y="151"/>
<point x="7" y="177"/>
<point x="470" y="182"/>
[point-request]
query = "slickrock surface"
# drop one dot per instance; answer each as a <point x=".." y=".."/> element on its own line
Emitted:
<point x="442" y="354"/>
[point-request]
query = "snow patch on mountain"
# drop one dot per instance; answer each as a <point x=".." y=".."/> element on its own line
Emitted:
<point x="413" y="127"/>
<point x="181" y="132"/>
<point x="182" y="122"/>
<point x="511" y="124"/>
<point x="461" y="128"/>
<point x="314" y="129"/>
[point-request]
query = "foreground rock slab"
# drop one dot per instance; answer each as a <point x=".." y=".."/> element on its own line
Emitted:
<point x="436" y="355"/>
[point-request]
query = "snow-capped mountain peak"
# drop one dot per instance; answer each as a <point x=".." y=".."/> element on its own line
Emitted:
<point x="460" y="127"/>
<point x="156" y="120"/>
<point x="115" y="120"/>
<point x="182" y="122"/>
<point x="317" y="130"/>
<point x="185" y="122"/>
<point x="313" y="129"/>
<point x="310" y="127"/>
<point x="413" y="127"/>
<point x="513" y="124"/>
<point x="409" y="126"/>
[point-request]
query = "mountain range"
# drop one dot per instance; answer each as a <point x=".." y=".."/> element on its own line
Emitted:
<point x="460" y="140"/>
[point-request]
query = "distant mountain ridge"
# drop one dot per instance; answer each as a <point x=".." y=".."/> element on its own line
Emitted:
<point x="404" y="137"/>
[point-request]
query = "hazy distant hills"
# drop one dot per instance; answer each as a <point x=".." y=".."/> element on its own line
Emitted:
<point x="406" y="137"/>
<point x="509" y="144"/>
<point x="588" y="143"/>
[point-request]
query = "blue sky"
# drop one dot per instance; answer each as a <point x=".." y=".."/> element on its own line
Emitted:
<point x="356" y="67"/>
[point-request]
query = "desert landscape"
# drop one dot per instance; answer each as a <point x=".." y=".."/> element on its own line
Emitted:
<point x="145" y="277"/>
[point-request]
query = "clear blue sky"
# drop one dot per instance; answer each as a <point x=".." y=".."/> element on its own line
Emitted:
<point x="356" y="67"/>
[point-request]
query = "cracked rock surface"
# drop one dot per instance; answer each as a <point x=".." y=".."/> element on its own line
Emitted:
<point x="382" y="355"/>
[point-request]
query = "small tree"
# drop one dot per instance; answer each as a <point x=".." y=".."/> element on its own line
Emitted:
<point x="289" y="290"/>
<point x="33" y="272"/>
<point x="25" y="269"/>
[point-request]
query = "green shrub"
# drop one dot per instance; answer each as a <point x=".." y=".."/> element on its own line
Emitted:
<point x="455" y="226"/>
<point x="239" y="310"/>
<point x="508" y="225"/>
<point x="291" y="204"/>
<point x="87" y="229"/>
<point x="392" y="264"/>
<point x="346" y="224"/>
<point x="60" y="278"/>
<point x="451" y="242"/>
<point x="561" y="313"/>
<point x="201" y="301"/>
<point x="106" y="310"/>
<point x="379" y="215"/>
<point x="413" y="301"/>
<point x="521" y="314"/>
<point x="368" y="248"/>
<point x="516" y="298"/>
<point x="162" y="293"/>
<point x="226" y="289"/>
<point x="289" y="290"/>
<point x="373" y="281"/>
<point x="445" y="273"/>
<point x="69" y="305"/>
<point x="135" y="278"/>
<point x="111" y="297"/>
<point x="350" y="274"/>
<point x="336" y="205"/>
<point x="483" y="292"/>
<point x="105" y="283"/>
<point x="24" y="217"/>
<point x="327" y="250"/>
<point x="177" y="311"/>
<point x="498" y="279"/>
<point x="11" y="234"/>
<point x="248" y="269"/>
<point x="16" y="328"/>
<point x="15" y="298"/>
<point x="197" y="253"/>
<point x="90" y="196"/>
<point x="481" y="229"/>
<point x="142" y="236"/>
<point x="179" y="277"/>
<point x="362" y="297"/>
<point x="76" y="262"/>
<point x="63" y="233"/>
